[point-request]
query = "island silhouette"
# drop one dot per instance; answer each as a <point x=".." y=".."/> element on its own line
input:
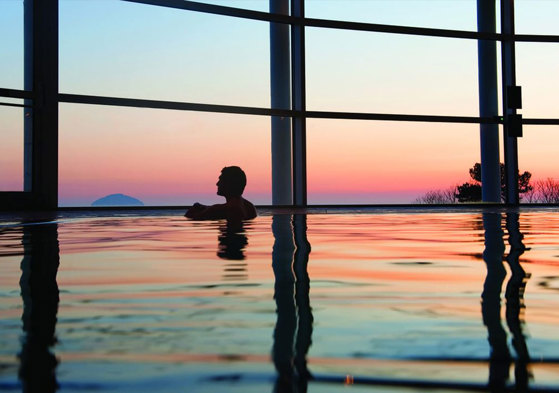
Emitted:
<point x="117" y="200"/>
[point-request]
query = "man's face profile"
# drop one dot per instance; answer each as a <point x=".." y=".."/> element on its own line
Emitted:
<point x="231" y="182"/>
<point x="222" y="188"/>
<point x="219" y="185"/>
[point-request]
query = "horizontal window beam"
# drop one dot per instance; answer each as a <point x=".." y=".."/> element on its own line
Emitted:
<point x="11" y="93"/>
<point x="172" y="105"/>
<point x="345" y="25"/>
<point x="541" y="121"/>
<point x="219" y="10"/>
<point x="534" y="38"/>
<point x="428" y="32"/>
<point x="15" y="105"/>
<point x="244" y="110"/>
<point x="421" y="118"/>
<point x="394" y="29"/>
<point x="188" y="106"/>
<point x="401" y="117"/>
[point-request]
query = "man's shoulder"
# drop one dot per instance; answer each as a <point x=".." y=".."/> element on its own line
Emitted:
<point x="247" y="202"/>
<point x="218" y="209"/>
<point x="249" y="208"/>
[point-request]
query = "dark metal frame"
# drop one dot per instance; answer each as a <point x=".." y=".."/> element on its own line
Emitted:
<point x="41" y="104"/>
<point x="45" y="96"/>
<point x="510" y="141"/>
<point x="299" y="104"/>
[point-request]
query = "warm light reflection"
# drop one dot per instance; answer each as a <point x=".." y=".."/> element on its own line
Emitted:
<point x="387" y="295"/>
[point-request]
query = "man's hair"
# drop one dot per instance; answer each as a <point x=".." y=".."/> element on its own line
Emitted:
<point x="235" y="179"/>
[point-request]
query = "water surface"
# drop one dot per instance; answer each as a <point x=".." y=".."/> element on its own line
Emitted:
<point x="382" y="301"/>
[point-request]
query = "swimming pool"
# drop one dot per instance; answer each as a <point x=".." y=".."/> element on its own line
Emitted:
<point x="382" y="300"/>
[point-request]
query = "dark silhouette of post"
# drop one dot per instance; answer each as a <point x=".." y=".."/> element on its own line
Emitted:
<point x="508" y="59"/>
<point x="500" y="358"/>
<point x="515" y="301"/>
<point x="298" y="91"/>
<point x="39" y="291"/>
<point x="293" y="330"/>
<point x="302" y="299"/>
<point x="41" y="119"/>
<point x="284" y="290"/>
<point x="488" y="103"/>
<point x="280" y="82"/>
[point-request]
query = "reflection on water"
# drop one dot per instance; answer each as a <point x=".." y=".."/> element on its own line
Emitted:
<point x="493" y="254"/>
<point x="39" y="291"/>
<point x="293" y="330"/>
<point x="515" y="301"/>
<point x="162" y="304"/>
<point x="232" y="241"/>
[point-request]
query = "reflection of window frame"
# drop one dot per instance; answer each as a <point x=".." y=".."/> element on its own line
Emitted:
<point x="41" y="182"/>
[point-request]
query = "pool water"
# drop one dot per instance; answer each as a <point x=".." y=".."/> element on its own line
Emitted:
<point x="387" y="300"/>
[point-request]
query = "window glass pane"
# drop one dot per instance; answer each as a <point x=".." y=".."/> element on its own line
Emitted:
<point x="354" y="161"/>
<point x="536" y="16"/>
<point x="11" y="44"/>
<point x="122" y="49"/>
<point x="445" y="14"/>
<point x="387" y="73"/>
<point x="537" y="66"/>
<point x="160" y="157"/>
<point x="11" y="147"/>
<point x="537" y="154"/>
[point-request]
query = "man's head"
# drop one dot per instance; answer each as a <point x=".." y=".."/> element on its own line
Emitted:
<point x="232" y="182"/>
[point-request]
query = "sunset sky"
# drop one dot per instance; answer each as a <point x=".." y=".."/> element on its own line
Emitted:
<point x="115" y="48"/>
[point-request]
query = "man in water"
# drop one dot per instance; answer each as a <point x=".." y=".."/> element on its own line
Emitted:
<point x="230" y="185"/>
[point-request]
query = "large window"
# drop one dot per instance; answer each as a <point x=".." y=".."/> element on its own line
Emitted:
<point x="440" y="14"/>
<point x="357" y="71"/>
<point x="536" y="17"/>
<point x="380" y="98"/>
<point x="359" y="161"/>
<point x="161" y="157"/>
<point x="11" y="111"/>
<point x="11" y="146"/>
<point x="536" y="64"/>
<point x="123" y="49"/>
<point x="11" y="44"/>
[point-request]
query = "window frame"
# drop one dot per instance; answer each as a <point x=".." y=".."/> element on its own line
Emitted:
<point x="44" y="94"/>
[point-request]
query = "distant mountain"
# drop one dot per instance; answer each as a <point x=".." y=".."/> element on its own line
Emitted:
<point x="117" y="200"/>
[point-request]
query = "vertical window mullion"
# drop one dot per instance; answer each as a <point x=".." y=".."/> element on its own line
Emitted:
<point x="299" y="104"/>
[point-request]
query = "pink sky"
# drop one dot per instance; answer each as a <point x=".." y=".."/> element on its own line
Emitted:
<point x="173" y="157"/>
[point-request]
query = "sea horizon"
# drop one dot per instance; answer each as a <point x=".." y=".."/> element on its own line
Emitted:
<point x="314" y="198"/>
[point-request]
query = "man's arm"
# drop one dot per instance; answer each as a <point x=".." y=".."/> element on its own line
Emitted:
<point x="195" y="210"/>
<point x="201" y="212"/>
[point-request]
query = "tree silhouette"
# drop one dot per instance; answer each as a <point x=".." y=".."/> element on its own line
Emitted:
<point x="471" y="191"/>
<point x="468" y="192"/>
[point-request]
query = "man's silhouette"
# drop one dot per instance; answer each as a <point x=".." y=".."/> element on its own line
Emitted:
<point x="230" y="185"/>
